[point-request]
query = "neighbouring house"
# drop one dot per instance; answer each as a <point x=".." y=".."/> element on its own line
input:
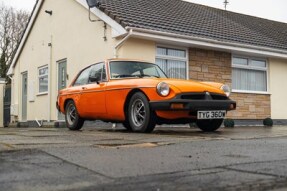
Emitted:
<point x="187" y="40"/>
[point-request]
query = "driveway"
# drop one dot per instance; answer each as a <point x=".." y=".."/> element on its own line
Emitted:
<point x="171" y="158"/>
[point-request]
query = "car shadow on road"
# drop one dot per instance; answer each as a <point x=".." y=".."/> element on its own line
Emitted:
<point x="169" y="131"/>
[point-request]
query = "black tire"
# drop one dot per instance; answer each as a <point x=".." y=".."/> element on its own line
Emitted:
<point x="127" y="126"/>
<point x="209" y="125"/>
<point x="140" y="117"/>
<point x="73" y="121"/>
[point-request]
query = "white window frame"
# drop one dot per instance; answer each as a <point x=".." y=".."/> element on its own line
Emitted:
<point x="248" y="67"/>
<point x="166" y="57"/>
<point x="40" y="76"/>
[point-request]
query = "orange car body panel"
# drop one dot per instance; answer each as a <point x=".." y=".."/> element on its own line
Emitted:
<point x="106" y="100"/>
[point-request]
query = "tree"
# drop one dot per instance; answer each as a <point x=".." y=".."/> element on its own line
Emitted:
<point x="12" y="25"/>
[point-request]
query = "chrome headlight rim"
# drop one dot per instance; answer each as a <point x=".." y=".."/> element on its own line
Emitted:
<point x="163" y="89"/>
<point x="226" y="89"/>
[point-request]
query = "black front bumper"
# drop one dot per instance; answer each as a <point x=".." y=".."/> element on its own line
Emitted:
<point x="206" y="103"/>
<point x="194" y="105"/>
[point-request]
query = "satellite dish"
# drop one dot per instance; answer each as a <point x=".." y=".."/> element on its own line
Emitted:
<point x="92" y="3"/>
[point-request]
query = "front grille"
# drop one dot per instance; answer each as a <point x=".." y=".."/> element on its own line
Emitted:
<point x="218" y="97"/>
<point x="203" y="96"/>
<point x="193" y="96"/>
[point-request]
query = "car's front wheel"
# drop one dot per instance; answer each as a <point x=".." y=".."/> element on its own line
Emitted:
<point x="127" y="126"/>
<point x="140" y="117"/>
<point x="73" y="120"/>
<point x="209" y="125"/>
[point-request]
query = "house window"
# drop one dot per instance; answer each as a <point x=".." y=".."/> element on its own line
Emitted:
<point x="172" y="61"/>
<point x="43" y="79"/>
<point x="249" y="75"/>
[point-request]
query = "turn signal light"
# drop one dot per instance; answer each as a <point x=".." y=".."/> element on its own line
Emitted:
<point x="232" y="106"/>
<point x="177" y="106"/>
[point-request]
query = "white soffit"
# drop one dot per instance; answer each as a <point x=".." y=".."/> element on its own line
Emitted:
<point x="117" y="29"/>
<point x="188" y="41"/>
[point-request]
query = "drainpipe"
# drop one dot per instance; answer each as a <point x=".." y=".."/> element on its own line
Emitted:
<point x="50" y="78"/>
<point x="119" y="44"/>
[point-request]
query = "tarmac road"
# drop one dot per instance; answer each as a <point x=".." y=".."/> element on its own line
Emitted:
<point x="171" y="158"/>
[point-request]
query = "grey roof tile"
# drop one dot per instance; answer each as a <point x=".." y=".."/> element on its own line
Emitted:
<point x="180" y="17"/>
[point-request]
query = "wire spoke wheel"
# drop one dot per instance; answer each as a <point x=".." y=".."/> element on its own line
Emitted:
<point x="73" y="120"/>
<point x="71" y="114"/>
<point x="138" y="112"/>
<point x="139" y="115"/>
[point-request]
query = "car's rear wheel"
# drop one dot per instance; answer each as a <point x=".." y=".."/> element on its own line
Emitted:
<point x="73" y="120"/>
<point x="140" y="117"/>
<point x="209" y="125"/>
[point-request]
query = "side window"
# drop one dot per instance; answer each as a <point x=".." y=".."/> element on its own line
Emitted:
<point x="98" y="71"/>
<point x="83" y="77"/>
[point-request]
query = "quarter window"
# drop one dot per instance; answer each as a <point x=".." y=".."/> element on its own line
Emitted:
<point x="83" y="77"/>
<point x="172" y="61"/>
<point x="43" y="75"/>
<point x="98" y="71"/>
<point x="249" y="74"/>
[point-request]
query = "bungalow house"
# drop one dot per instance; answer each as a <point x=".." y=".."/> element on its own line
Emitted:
<point x="187" y="40"/>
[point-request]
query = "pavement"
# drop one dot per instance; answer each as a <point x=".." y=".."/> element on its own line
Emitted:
<point x="170" y="158"/>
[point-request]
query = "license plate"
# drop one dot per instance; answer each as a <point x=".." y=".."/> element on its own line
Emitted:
<point x="211" y="114"/>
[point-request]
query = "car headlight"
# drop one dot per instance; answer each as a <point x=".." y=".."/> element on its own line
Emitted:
<point x="163" y="89"/>
<point x="226" y="90"/>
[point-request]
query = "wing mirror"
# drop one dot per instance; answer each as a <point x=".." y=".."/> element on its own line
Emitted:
<point x="94" y="79"/>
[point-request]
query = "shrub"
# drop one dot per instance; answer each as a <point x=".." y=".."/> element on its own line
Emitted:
<point x="268" y="122"/>
<point x="229" y="123"/>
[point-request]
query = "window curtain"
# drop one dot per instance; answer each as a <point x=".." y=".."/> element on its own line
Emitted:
<point x="173" y="67"/>
<point x="251" y="80"/>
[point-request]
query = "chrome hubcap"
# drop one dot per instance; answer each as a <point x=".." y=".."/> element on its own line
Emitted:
<point x="71" y="114"/>
<point x="138" y="113"/>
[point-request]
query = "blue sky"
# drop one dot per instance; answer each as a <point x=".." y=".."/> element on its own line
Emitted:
<point x="270" y="9"/>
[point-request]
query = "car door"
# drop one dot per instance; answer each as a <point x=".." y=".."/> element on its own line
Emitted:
<point x="93" y="97"/>
<point x="77" y="89"/>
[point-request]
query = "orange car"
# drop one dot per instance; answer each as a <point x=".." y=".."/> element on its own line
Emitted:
<point x="140" y="95"/>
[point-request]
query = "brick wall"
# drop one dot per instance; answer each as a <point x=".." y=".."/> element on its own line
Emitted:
<point x="251" y="106"/>
<point x="208" y="65"/>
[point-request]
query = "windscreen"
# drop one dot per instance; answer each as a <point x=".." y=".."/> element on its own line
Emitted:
<point x="132" y="69"/>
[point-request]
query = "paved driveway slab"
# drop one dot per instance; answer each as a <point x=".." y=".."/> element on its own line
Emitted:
<point x="97" y="158"/>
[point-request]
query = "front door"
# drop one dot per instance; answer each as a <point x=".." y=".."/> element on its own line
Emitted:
<point x="92" y="99"/>
<point x="62" y="81"/>
<point x="24" y="95"/>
